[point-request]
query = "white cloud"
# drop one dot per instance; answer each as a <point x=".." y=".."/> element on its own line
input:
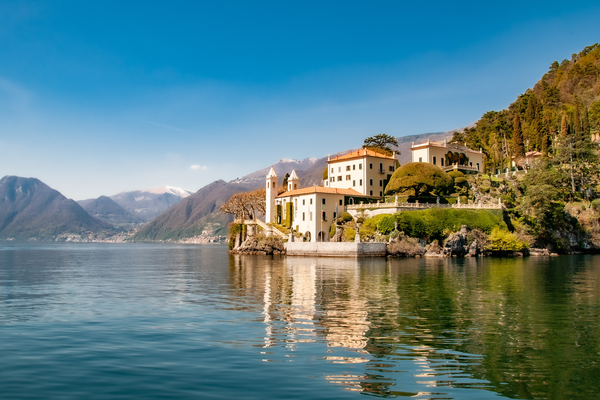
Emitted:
<point x="196" y="166"/>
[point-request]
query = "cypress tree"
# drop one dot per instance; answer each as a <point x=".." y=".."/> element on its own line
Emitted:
<point x="564" y="127"/>
<point x="518" y="148"/>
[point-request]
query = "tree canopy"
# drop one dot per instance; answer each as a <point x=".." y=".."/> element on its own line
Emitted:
<point x="421" y="178"/>
<point x="382" y="142"/>
<point x="246" y="205"/>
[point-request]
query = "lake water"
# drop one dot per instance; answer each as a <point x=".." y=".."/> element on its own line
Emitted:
<point x="183" y="321"/>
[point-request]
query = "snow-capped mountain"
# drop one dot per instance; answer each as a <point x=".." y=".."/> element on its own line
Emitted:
<point x="148" y="203"/>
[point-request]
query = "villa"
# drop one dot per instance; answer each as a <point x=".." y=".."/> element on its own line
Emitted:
<point x="352" y="177"/>
<point x="449" y="156"/>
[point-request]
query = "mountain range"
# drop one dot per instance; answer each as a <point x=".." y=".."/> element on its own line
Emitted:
<point x="31" y="209"/>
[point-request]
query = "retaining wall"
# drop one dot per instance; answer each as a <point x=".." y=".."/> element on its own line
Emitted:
<point x="335" y="249"/>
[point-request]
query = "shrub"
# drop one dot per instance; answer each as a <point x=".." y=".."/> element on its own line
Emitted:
<point x="345" y="217"/>
<point x="596" y="205"/>
<point x="349" y="234"/>
<point x="332" y="230"/>
<point x="435" y="223"/>
<point x="460" y="181"/>
<point x="501" y="240"/>
<point x="386" y="224"/>
<point x="420" y="178"/>
<point x="360" y="220"/>
<point x="456" y="174"/>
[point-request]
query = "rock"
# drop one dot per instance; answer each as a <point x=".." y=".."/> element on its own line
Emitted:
<point x="456" y="244"/>
<point x="434" y="249"/>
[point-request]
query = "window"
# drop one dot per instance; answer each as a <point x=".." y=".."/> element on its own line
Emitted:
<point x="332" y="179"/>
<point x="353" y="167"/>
<point x="267" y="185"/>
<point x="360" y="182"/>
<point x="347" y="177"/>
<point x="370" y="182"/>
<point x="324" y="216"/>
<point x="442" y="161"/>
<point x="381" y="166"/>
<point x="323" y="200"/>
<point x="303" y="202"/>
<point x="339" y="178"/>
<point x="380" y="193"/>
<point x="370" y="193"/>
<point x="339" y="169"/>
<point x="303" y="216"/>
<point x="471" y="164"/>
<point x="353" y="183"/>
<point x="420" y="159"/>
<point x="310" y="215"/>
<point x="332" y="170"/>
<point x="477" y="166"/>
<point x="360" y="166"/>
<point x="434" y="160"/>
<point x="334" y="215"/>
<point x="380" y="182"/>
<point x="311" y="203"/>
<point x="347" y="168"/>
<point x="341" y="202"/>
<point x="391" y="168"/>
<point x="370" y="165"/>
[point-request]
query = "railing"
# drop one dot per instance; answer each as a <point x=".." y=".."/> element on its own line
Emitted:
<point x="457" y="167"/>
<point x="423" y="205"/>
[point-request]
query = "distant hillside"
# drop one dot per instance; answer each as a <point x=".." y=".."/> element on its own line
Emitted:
<point x="107" y="210"/>
<point x="565" y="102"/>
<point x="31" y="209"/>
<point x="200" y="211"/>
<point x="194" y="214"/>
<point x="148" y="203"/>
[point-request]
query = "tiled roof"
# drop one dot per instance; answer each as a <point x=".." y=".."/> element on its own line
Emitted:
<point x="320" y="189"/>
<point x="359" y="154"/>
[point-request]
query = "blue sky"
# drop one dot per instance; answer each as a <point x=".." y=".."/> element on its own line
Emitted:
<point x="101" y="97"/>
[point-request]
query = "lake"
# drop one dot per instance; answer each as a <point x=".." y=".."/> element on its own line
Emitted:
<point x="190" y="321"/>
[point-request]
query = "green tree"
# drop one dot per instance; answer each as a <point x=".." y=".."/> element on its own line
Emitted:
<point x="382" y="142"/>
<point x="421" y="179"/>
<point x="517" y="144"/>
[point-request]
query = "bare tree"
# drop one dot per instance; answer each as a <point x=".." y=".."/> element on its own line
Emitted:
<point x="245" y="205"/>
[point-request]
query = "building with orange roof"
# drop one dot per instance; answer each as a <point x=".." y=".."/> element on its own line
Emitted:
<point x="366" y="171"/>
<point x="448" y="156"/>
<point x="360" y="175"/>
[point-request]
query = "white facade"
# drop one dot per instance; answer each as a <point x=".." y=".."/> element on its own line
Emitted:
<point x="314" y="212"/>
<point x="437" y="153"/>
<point x="271" y="194"/>
<point x="365" y="171"/>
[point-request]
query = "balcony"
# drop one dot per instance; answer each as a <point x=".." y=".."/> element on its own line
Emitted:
<point x="456" y="167"/>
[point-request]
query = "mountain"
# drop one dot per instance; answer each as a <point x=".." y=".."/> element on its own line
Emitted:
<point x="281" y="168"/>
<point x="200" y="211"/>
<point x="31" y="209"/>
<point x="148" y="203"/>
<point x="194" y="214"/>
<point x="106" y="209"/>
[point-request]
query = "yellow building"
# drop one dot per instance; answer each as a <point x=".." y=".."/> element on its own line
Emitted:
<point x="449" y="156"/>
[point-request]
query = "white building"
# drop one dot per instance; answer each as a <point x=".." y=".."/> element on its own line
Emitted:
<point x="352" y="177"/>
<point x="448" y="156"/>
<point x="365" y="171"/>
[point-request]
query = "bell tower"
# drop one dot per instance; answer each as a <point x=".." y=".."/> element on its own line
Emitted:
<point x="293" y="181"/>
<point x="271" y="193"/>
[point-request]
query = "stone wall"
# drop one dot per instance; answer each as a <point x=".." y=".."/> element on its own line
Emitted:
<point x="333" y="249"/>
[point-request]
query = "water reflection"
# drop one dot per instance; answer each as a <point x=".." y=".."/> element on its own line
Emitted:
<point x="521" y="328"/>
